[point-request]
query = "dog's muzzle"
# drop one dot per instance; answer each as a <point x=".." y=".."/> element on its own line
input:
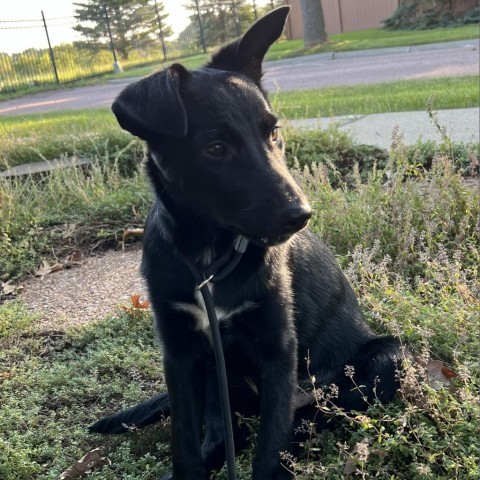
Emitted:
<point x="289" y="222"/>
<point x="294" y="219"/>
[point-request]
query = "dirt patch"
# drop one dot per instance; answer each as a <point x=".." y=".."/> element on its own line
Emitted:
<point x="86" y="293"/>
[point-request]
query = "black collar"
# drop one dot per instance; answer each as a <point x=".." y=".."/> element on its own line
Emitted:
<point x="221" y="267"/>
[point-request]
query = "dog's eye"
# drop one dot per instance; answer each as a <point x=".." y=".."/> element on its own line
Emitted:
<point x="215" y="149"/>
<point x="274" y="134"/>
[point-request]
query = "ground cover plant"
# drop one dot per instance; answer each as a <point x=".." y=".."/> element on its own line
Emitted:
<point x="406" y="233"/>
<point x="64" y="212"/>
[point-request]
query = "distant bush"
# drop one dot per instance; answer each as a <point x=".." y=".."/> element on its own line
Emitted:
<point x="336" y="150"/>
<point x="423" y="14"/>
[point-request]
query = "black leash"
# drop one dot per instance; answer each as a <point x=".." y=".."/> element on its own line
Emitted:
<point x="226" y="263"/>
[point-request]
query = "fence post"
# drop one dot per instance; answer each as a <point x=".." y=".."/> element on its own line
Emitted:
<point x="160" y="26"/>
<point x="340" y="15"/>
<point x="52" y="56"/>
<point x="200" y="23"/>
<point x="117" y="68"/>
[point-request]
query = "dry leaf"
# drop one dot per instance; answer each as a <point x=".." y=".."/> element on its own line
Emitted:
<point x="90" y="460"/>
<point x="46" y="268"/>
<point x="138" y="303"/>
<point x="8" y="289"/>
<point x="439" y="376"/>
<point x="350" y="466"/>
<point x="133" y="232"/>
<point x="75" y="258"/>
<point x="447" y="373"/>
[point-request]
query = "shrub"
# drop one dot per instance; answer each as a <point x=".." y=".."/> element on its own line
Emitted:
<point x="422" y="14"/>
<point x="413" y="210"/>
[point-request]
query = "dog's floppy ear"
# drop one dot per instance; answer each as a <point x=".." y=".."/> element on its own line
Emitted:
<point x="153" y="105"/>
<point x="245" y="55"/>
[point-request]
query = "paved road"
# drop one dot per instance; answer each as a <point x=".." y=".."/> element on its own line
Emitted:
<point x="314" y="71"/>
<point x="352" y="68"/>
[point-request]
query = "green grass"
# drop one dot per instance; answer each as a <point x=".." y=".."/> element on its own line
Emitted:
<point x="86" y="133"/>
<point x="374" y="38"/>
<point x="409" y="248"/>
<point x="398" y="96"/>
<point x="95" y="133"/>
<point x="361" y="40"/>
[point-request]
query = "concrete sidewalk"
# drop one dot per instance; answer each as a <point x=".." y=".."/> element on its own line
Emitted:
<point x="461" y="125"/>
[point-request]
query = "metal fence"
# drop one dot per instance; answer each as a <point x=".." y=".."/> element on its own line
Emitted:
<point x="47" y="62"/>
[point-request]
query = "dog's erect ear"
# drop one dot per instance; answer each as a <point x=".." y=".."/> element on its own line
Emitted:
<point x="245" y="55"/>
<point x="153" y="105"/>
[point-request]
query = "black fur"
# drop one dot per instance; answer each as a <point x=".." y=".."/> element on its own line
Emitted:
<point x="217" y="169"/>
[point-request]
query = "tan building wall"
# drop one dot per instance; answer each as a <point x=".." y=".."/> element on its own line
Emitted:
<point x="343" y="15"/>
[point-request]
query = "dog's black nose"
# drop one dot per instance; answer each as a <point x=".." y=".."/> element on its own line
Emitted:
<point x="295" y="218"/>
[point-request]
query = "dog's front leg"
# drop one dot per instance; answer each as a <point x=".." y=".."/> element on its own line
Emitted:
<point x="185" y="382"/>
<point x="277" y="386"/>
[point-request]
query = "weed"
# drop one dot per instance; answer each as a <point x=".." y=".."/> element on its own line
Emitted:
<point x="403" y="207"/>
<point x="66" y="210"/>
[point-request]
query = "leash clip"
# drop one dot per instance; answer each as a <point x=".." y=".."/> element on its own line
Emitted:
<point x="201" y="285"/>
<point x="240" y="245"/>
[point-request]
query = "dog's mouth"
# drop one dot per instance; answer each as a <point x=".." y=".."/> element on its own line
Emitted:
<point x="262" y="240"/>
<point x="274" y="233"/>
<point x="272" y="240"/>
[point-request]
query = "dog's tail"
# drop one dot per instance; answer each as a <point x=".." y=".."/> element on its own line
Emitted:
<point x="141" y="415"/>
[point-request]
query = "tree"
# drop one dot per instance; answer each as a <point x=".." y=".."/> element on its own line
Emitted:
<point x="220" y="20"/>
<point x="6" y="67"/>
<point x="313" y="23"/>
<point x="133" y="23"/>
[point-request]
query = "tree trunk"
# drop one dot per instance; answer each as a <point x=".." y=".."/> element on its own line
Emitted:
<point x="313" y="23"/>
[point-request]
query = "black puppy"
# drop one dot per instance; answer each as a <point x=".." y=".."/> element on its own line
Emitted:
<point x="216" y="164"/>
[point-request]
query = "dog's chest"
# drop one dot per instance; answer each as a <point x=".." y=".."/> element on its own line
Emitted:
<point x="198" y="311"/>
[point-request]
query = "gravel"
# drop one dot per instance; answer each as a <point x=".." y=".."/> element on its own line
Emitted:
<point x="86" y="293"/>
